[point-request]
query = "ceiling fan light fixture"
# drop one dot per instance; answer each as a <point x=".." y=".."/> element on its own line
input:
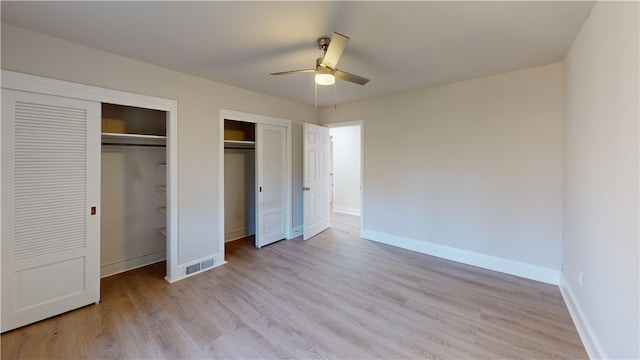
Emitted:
<point x="325" y="70"/>
<point x="324" y="76"/>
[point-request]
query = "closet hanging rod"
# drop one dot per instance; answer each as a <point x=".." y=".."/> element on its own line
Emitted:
<point x="133" y="139"/>
<point x="124" y="144"/>
<point x="238" y="148"/>
<point x="239" y="144"/>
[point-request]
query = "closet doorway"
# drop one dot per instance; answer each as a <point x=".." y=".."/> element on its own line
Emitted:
<point x="255" y="184"/>
<point x="239" y="179"/>
<point x="133" y="230"/>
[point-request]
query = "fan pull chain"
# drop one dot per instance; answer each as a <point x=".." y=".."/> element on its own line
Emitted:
<point x="316" y="85"/>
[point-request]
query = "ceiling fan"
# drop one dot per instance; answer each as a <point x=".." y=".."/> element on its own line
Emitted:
<point x="326" y="71"/>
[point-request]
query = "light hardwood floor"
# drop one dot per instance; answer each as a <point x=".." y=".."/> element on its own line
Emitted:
<point x="333" y="296"/>
<point x="346" y="223"/>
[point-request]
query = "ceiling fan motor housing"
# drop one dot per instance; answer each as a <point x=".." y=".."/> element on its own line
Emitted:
<point x="319" y="63"/>
<point x="323" y="43"/>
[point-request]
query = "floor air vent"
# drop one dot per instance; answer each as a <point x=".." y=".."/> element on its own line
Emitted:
<point x="199" y="266"/>
<point x="206" y="264"/>
<point x="193" y="268"/>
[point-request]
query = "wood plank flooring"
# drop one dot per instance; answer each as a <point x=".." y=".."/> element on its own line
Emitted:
<point x="349" y="224"/>
<point x="334" y="296"/>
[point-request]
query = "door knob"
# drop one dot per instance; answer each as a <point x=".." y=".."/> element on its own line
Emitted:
<point x="306" y="188"/>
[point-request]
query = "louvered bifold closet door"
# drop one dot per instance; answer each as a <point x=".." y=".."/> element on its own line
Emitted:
<point x="50" y="183"/>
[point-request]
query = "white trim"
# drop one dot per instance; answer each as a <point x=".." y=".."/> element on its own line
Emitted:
<point x="257" y="119"/>
<point x="221" y="230"/>
<point x="295" y="232"/>
<point x="346" y="210"/>
<point x="130" y="264"/>
<point x="172" y="195"/>
<point x="43" y="85"/>
<point x="239" y="233"/>
<point x="489" y="262"/>
<point x="38" y="84"/>
<point x="589" y="339"/>
<point x="344" y="124"/>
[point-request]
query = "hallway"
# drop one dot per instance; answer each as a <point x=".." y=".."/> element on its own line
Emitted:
<point x="349" y="224"/>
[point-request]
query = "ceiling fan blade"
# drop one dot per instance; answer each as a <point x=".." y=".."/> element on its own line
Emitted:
<point x="334" y="51"/>
<point x="293" y="72"/>
<point x="343" y="75"/>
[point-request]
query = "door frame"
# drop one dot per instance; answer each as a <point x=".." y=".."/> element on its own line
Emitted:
<point x="256" y="119"/>
<point x="38" y="84"/>
<point x="361" y="124"/>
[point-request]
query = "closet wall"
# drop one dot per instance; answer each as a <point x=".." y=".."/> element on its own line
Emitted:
<point x="239" y="180"/>
<point x="133" y="188"/>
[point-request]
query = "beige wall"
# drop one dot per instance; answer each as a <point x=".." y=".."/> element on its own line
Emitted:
<point x="601" y="181"/>
<point x="199" y="102"/>
<point x="474" y="166"/>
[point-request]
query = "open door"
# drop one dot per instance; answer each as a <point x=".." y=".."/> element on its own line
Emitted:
<point x="271" y="184"/>
<point x="316" y="180"/>
<point x="50" y="206"/>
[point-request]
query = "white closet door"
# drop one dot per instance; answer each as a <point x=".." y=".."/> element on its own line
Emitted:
<point x="50" y="199"/>
<point x="271" y="171"/>
<point x="316" y="180"/>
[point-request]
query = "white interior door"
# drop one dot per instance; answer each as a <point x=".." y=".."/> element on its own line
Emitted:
<point x="316" y="180"/>
<point x="50" y="201"/>
<point x="271" y="174"/>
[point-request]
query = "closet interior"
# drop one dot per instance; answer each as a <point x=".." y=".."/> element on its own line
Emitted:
<point x="239" y="179"/>
<point x="133" y="188"/>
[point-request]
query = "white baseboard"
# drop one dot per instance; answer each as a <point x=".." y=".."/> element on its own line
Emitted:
<point x="346" y="210"/>
<point x="589" y="339"/>
<point x="511" y="267"/>
<point x="295" y="232"/>
<point x="239" y="233"/>
<point x="130" y="264"/>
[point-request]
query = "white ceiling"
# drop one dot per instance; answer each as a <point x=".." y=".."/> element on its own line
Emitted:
<point x="400" y="46"/>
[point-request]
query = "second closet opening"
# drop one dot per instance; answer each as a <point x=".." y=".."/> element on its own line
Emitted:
<point x="239" y="180"/>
